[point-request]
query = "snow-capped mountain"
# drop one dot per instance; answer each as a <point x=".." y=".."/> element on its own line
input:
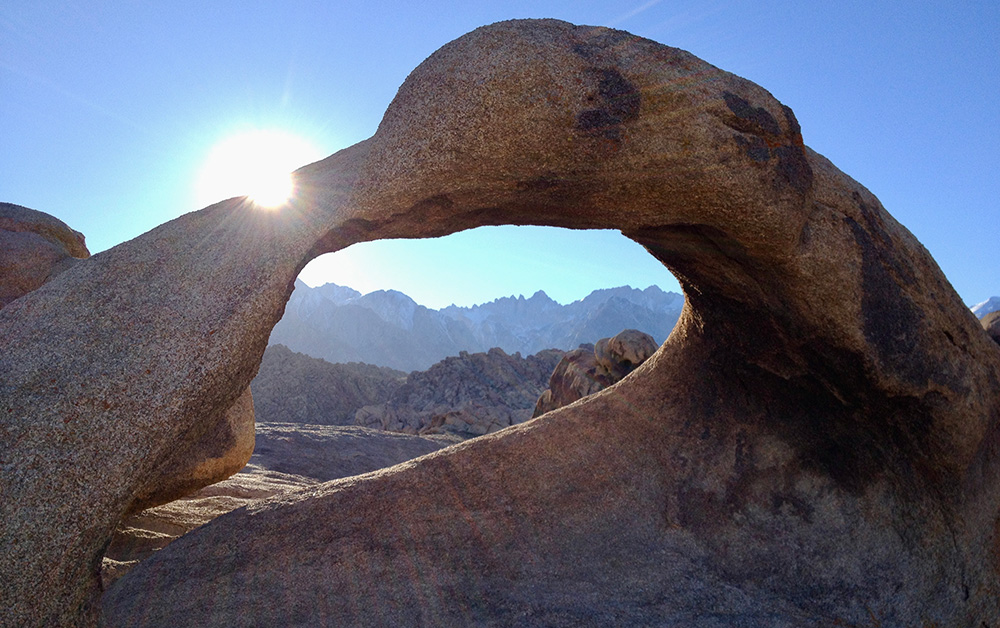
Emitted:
<point x="991" y="304"/>
<point x="388" y="328"/>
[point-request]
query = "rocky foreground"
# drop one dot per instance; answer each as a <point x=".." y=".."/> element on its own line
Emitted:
<point x="817" y="443"/>
<point x="287" y="457"/>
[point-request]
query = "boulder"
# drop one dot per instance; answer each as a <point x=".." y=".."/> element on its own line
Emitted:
<point x="623" y="352"/>
<point x="591" y="368"/>
<point x="576" y="376"/>
<point x="34" y="248"/>
<point x="991" y="323"/>
<point x="839" y="464"/>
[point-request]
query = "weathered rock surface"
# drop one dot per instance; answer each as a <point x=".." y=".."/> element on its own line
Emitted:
<point x="620" y="354"/>
<point x="466" y="395"/>
<point x="288" y="456"/>
<point x="991" y="323"/>
<point x="34" y="248"/>
<point x="591" y="368"/>
<point x="296" y="388"/>
<point x="839" y="464"/>
<point x="194" y="463"/>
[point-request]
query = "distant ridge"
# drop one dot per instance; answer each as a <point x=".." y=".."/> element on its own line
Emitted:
<point x="991" y="304"/>
<point x="388" y="328"/>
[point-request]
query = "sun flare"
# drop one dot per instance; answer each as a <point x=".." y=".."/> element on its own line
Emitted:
<point x="257" y="164"/>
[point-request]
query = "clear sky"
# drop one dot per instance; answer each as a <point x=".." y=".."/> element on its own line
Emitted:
<point x="111" y="111"/>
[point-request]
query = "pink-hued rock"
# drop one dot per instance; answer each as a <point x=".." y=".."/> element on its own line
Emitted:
<point x="34" y="248"/>
<point x="816" y="443"/>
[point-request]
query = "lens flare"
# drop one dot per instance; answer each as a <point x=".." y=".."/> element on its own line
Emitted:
<point x="257" y="164"/>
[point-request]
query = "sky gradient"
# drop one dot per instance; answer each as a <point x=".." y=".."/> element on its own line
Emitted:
<point x="109" y="110"/>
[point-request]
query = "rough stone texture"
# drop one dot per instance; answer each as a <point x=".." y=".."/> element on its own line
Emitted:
<point x="591" y="368"/>
<point x="194" y="463"/>
<point x="575" y="377"/>
<point x="466" y="395"/>
<point x="296" y="388"/>
<point x="991" y="323"/>
<point x="287" y="457"/>
<point x="34" y="248"/>
<point x="839" y="464"/>
<point x="623" y="352"/>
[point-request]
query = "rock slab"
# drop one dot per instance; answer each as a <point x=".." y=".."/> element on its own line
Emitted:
<point x="287" y="457"/>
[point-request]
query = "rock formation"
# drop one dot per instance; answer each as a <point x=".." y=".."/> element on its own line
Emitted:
<point x="292" y="387"/>
<point x="217" y="453"/>
<point x="287" y="457"/>
<point x="816" y="443"/>
<point x="34" y="248"/>
<point x="991" y="323"/>
<point x="466" y="395"/>
<point x="591" y="368"/>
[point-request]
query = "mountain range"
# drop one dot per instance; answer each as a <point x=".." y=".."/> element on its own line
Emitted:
<point x="991" y="304"/>
<point x="387" y="328"/>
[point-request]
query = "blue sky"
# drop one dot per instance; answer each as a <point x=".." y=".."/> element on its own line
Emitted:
<point x="109" y="110"/>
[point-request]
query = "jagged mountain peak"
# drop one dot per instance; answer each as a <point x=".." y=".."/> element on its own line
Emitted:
<point x="388" y="328"/>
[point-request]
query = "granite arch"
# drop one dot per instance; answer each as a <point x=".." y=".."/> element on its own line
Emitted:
<point x="818" y="439"/>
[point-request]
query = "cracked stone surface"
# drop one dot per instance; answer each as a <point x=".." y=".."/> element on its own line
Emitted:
<point x="816" y="442"/>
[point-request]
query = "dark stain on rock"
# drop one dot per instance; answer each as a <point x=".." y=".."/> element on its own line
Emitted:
<point x="766" y="141"/>
<point x="876" y="227"/>
<point x="793" y="167"/>
<point x="824" y="402"/>
<point x="620" y="102"/>
<point x="755" y="147"/>
<point x="750" y="119"/>
<point x="621" y="97"/>
<point x="892" y="324"/>
<point x="595" y="42"/>
<point x="792" y="121"/>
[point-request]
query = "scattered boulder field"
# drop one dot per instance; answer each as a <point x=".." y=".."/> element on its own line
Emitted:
<point x="817" y="443"/>
<point x="292" y="387"/>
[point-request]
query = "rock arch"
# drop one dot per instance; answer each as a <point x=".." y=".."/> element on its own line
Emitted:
<point x="816" y="441"/>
